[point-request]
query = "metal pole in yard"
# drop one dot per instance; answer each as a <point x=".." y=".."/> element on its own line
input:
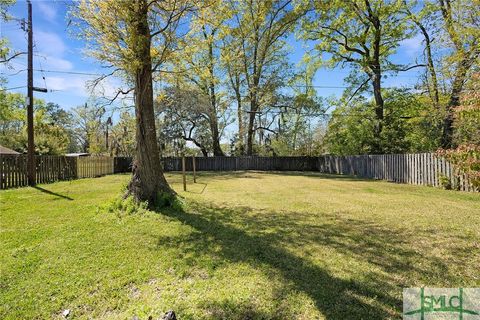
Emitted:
<point x="194" y="171"/>
<point x="183" y="174"/>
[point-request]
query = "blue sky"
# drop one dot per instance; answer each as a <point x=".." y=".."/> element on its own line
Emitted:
<point x="57" y="50"/>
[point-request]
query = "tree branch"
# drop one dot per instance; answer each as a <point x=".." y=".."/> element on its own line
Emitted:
<point x="12" y="57"/>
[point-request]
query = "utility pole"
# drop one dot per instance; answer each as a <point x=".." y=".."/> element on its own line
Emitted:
<point x="31" y="170"/>
<point x="108" y="123"/>
<point x="31" y="142"/>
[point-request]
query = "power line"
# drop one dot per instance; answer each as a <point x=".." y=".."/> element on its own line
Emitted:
<point x="71" y="72"/>
<point x="13" y="88"/>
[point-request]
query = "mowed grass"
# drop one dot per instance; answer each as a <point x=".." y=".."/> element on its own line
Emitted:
<point x="247" y="245"/>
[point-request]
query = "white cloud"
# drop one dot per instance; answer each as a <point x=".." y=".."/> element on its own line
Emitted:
<point x="51" y="50"/>
<point x="49" y="43"/>
<point x="71" y="84"/>
<point x="109" y="87"/>
<point x="55" y="63"/>
<point x="78" y="85"/>
<point x="48" y="11"/>
<point x="413" y="46"/>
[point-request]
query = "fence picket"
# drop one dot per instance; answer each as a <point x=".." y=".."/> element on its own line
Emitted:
<point x="419" y="169"/>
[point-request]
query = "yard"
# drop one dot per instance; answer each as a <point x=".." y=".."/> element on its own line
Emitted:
<point x="247" y="245"/>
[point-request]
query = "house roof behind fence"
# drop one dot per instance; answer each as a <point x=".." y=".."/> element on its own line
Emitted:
<point x="5" y="150"/>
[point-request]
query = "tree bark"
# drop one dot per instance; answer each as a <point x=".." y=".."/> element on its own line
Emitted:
<point x="148" y="182"/>
<point x="431" y="66"/>
<point x="217" y="150"/>
<point x="251" y="130"/>
<point x="454" y="101"/>
<point x="379" y="106"/>
<point x="468" y="57"/>
<point x="235" y="83"/>
<point x="377" y="88"/>
<point x="428" y="51"/>
<point x="241" y="133"/>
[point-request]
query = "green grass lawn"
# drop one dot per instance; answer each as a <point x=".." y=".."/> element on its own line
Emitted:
<point x="246" y="246"/>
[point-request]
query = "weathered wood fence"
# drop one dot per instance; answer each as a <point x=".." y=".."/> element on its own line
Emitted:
<point x="243" y="163"/>
<point x="91" y="167"/>
<point x="417" y="168"/>
<point x="420" y="168"/>
<point x="13" y="169"/>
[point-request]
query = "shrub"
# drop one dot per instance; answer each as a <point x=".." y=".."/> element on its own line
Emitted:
<point x="466" y="160"/>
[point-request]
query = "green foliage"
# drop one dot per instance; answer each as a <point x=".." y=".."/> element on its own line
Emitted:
<point x="52" y="135"/>
<point x="410" y="125"/>
<point x="350" y="129"/>
<point x="126" y="206"/>
<point x="122" y="205"/>
<point x="122" y="136"/>
<point x="466" y="160"/>
<point x="445" y="182"/>
<point x="166" y="200"/>
<point x="4" y="16"/>
<point x="467" y="115"/>
<point x="276" y="253"/>
<point x="345" y="30"/>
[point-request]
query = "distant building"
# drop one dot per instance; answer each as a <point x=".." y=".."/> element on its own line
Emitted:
<point x="5" y="150"/>
<point x="77" y="154"/>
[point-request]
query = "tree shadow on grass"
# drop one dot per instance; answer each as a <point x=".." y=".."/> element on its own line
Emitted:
<point x="253" y="174"/>
<point x="335" y="297"/>
<point x="314" y="174"/>
<point x="52" y="193"/>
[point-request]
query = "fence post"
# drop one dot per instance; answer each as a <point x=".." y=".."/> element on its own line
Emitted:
<point x="183" y="174"/>
<point x="194" y="170"/>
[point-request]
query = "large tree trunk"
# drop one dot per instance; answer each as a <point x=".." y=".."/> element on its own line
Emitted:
<point x="148" y="181"/>
<point x="431" y="68"/>
<point x="235" y="83"/>
<point x="251" y="131"/>
<point x="217" y="150"/>
<point x="213" y="120"/>
<point x="434" y="93"/>
<point x="454" y="101"/>
<point x="379" y="106"/>
<point x="241" y="133"/>
<point x="377" y="88"/>
<point x="468" y="58"/>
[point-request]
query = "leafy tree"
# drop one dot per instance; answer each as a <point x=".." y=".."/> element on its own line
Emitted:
<point x="363" y="35"/>
<point x="467" y="115"/>
<point x="136" y="37"/>
<point x="236" y="85"/>
<point x="185" y="115"/>
<point x="200" y="60"/>
<point x="425" y="20"/>
<point x="51" y="137"/>
<point x="5" y="53"/>
<point x="87" y="131"/>
<point x="260" y="28"/>
<point x="408" y="125"/>
<point x="460" y="25"/>
<point x="122" y="136"/>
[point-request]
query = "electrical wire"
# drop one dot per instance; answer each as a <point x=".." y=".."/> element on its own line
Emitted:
<point x="13" y="88"/>
<point x="40" y="62"/>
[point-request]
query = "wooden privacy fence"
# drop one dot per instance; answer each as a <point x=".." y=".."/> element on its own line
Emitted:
<point x="91" y="167"/>
<point x="243" y="163"/>
<point x="13" y="169"/>
<point x="419" y="168"/>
